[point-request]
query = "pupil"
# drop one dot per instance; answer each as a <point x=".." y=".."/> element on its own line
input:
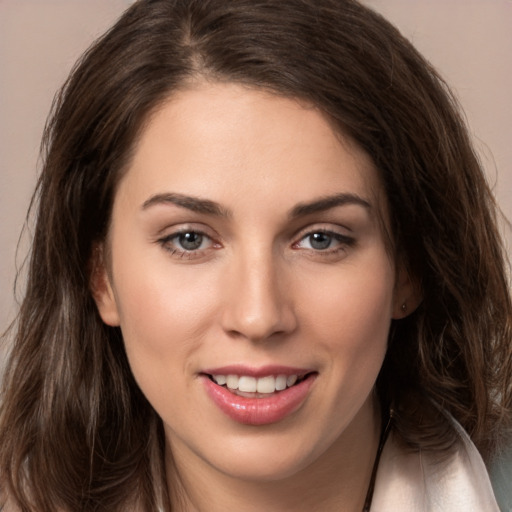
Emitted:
<point x="320" y="241"/>
<point x="190" y="241"/>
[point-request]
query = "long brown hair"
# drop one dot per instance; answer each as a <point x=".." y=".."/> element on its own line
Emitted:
<point x="76" y="433"/>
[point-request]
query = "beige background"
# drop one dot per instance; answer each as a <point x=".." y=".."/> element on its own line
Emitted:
<point x="470" y="41"/>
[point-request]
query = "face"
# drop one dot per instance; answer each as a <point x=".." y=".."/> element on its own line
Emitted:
<point x="251" y="281"/>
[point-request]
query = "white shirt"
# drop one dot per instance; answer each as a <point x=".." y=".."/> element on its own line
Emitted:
<point x="417" y="482"/>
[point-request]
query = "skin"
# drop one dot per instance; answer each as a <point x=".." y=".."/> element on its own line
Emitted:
<point x="258" y="291"/>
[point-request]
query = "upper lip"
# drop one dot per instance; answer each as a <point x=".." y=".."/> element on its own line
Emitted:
<point x="261" y="371"/>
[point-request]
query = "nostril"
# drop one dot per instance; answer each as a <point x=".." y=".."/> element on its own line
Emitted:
<point x="254" y="304"/>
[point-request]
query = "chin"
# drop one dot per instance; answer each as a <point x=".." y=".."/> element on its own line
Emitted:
<point x="266" y="469"/>
<point x="266" y="460"/>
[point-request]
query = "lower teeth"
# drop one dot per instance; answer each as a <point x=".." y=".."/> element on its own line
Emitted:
<point x="247" y="394"/>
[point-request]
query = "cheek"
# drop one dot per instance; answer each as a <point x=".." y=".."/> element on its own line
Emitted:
<point x="165" y="311"/>
<point x="350" y="313"/>
<point x="346" y="317"/>
<point x="164" y="320"/>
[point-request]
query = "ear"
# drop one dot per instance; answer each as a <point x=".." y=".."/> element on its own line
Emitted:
<point x="101" y="288"/>
<point x="407" y="296"/>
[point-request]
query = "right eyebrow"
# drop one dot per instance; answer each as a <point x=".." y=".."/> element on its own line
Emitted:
<point x="195" y="204"/>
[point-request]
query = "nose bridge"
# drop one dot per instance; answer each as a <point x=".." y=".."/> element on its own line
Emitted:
<point x="257" y="304"/>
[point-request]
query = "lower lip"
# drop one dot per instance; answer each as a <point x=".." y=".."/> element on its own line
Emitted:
<point x="259" y="411"/>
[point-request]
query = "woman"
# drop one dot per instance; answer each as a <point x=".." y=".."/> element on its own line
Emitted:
<point x="265" y="275"/>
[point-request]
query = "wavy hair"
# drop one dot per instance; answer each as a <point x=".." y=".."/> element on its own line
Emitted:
<point x="76" y="433"/>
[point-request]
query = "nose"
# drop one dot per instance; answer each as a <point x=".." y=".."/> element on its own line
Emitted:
<point x="258" y="301"/>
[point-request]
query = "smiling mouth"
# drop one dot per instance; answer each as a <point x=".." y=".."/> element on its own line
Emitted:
<point x="258" y="396"/>
<point x="257" y="387"/>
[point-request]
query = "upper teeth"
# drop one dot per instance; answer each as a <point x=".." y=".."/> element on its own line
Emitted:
<point x="247" y="384"/>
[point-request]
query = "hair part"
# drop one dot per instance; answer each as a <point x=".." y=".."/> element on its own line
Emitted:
<point x="76" y="433"/>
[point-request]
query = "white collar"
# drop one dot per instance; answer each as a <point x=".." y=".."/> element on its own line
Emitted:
<point x="417" y="482"/>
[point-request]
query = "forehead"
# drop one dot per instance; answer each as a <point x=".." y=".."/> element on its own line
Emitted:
<point x="226" y="141"/>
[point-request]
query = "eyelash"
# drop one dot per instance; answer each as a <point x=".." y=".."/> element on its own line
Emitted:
<point x="167" y="243"/>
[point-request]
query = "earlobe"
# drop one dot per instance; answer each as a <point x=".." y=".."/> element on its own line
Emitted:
<point x="407" y="295"/>
<point x="101" y="288"/>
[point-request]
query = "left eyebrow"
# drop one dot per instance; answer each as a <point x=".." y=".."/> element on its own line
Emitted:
<point x="326" y="203"/>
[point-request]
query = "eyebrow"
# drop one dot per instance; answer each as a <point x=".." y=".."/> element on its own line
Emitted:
<point x="194" y="204"/>
<point x="328" y="202"/>
<point x="208" y="207"/>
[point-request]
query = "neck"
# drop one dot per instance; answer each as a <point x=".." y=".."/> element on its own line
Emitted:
<point x="336" y="481"/>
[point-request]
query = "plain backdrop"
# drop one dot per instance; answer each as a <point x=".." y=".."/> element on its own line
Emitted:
<point x="469" y="41"/>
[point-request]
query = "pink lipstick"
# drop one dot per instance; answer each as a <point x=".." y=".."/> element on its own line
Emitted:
<point x="258" y="396"/>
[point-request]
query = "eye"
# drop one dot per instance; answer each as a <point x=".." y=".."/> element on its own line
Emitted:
<point x="190" y="241"/>
<point x="186" y="242"/>
<point x="322" y="240"/>
<point x="319" y="241"/>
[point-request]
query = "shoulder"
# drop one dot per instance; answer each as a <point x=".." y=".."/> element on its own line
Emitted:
<point x="421" y="482"/>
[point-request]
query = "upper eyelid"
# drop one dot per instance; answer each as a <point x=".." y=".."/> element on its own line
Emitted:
<point x="173" y="230"/>
<point x="175" y="234"/>
<point x="319" y="227"/>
